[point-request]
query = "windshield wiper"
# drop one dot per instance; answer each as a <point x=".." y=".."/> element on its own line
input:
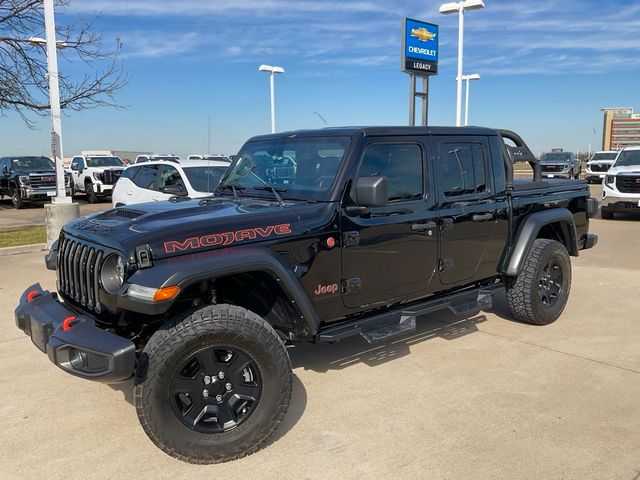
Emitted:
<point x="233" y="188"/>
<point x="275" y="192"/>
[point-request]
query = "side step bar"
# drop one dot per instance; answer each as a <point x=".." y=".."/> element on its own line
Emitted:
<point x="378" y="328"/>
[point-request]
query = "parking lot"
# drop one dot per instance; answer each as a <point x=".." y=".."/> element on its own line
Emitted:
<point x="33" y="214"/>
<point x="481" y="397"/>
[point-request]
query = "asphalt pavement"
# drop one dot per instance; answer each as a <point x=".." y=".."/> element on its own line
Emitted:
<point x="461" y="398"/>
<point x="33" y="214"/>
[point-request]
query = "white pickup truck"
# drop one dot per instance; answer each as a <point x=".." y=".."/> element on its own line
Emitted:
<point x="95" y="175"/>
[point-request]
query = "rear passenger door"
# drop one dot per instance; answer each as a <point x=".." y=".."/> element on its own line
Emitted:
<point x="145" y="184"/>
<point x="467" y="210"/>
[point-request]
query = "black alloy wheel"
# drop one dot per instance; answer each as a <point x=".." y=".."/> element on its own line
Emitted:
<point x="550" y="285"/>
<point x="212" y="384"/>
<point x="216" y="389"/>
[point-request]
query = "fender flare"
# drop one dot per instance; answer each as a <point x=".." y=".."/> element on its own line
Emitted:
<point x="185" y="270"/>
<point x="529" y="230"/>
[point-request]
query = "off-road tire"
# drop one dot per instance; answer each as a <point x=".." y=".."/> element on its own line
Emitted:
<point x="523" y="295"/>
<point x="91" y="194"/>
<point x="18" y="203"/>
<point x="191" y="332"/>
<point x="606" y="214"/>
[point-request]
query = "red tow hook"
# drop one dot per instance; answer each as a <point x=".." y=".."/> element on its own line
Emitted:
<point x="32" y="294"/>
<point x="67" y="323"/>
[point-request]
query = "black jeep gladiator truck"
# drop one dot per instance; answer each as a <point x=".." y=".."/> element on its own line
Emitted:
<point x="29" y="179"/>
<point x="312" y="236"/>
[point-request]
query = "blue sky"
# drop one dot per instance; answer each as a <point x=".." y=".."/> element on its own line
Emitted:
<point x="546" y="70"/>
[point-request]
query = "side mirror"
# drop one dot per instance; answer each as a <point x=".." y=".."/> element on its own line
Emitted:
<point x="175" y="190"/>
<point x="5" y="170"/>
<point x="372" y="191"/>
<point x="75" y="166"/>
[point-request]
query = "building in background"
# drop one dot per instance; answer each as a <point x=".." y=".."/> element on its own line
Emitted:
<point x="621" y="128"/>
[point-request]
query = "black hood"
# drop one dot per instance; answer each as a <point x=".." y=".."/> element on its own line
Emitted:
<point x="177" y="228"/>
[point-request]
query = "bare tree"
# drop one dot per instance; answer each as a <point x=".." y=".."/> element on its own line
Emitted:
<point x="24" y="86"/>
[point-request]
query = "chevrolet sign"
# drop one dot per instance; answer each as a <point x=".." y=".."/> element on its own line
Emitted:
<point x="419" y="47"/>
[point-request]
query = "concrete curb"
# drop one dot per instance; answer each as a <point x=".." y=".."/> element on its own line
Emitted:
<point x="38" y="247"/>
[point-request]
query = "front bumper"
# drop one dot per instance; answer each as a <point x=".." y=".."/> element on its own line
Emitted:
<point x="589" y="175"/>
<point x="618" y="201"/>
<point x="38" y="194"/>
<point x="101" y="188"/>
<point x="72" y="341"/>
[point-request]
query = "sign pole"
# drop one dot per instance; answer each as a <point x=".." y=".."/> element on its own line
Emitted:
<point x="425" y="101"/>
<point x="412" y="100"/>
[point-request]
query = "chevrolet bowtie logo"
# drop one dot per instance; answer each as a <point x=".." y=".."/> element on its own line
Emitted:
<point x="422" y="34"/>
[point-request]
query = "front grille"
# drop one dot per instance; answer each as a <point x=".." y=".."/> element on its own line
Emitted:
<point x="628" y="183"/>
<point x="78" y="272"/>
<point x="43" y="181"/>
<point x="599" y="167"/>
<point x="109" y="177"/>
<point x="553" y="168"/>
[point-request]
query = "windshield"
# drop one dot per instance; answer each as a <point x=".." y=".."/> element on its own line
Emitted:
<point x="104" y="162"/>
<point x="604" y="156"/>
<point x="556" y="157"/>
<point x="32" y="163"/>
<point x="204" y="179"/>
<point x="301" y="167"/>
<point x="628" y="158"/>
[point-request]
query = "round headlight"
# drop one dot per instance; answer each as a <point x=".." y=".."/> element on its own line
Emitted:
<point x="112" y="274"/>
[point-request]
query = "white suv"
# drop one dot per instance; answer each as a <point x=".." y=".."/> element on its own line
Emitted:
<point x="95" y="175"/>
<point x="160" y="180"/>
<point x="598" y="165"/>
<point x="621" y="185"/>
<point x="155" y="156"/>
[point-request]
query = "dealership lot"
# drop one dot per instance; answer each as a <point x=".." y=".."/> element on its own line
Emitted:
<point x="34" y="214"/>
<point x="482" y="397"/>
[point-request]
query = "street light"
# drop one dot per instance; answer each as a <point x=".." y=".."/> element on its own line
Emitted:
<point x="62" y="209"/>
<point x="272" y="71"/>
<point x="473" y="76"/>
<point x="460" y="7"/>
<point x="41" y="41"/>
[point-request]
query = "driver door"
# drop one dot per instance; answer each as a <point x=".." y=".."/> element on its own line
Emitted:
<point x="390" y="253"/>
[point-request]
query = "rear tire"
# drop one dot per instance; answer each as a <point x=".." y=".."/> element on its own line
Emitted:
<point x="606" y="214"/>
<point x="539" y="294"/>
<point x="241" y="363"/>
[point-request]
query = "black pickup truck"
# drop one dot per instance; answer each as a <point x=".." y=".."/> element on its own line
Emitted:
<point x="313" y="236"/>
<point x="29" y="179"/>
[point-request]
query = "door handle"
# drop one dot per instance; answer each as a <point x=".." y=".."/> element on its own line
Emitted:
<point x="447" y="223"/>
<point x="129" y="193"/>
<point x="421" y="227"/>
<point x="479" y="217"/>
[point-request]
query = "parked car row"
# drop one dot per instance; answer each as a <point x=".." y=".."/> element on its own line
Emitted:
<point x="156" y="177"/>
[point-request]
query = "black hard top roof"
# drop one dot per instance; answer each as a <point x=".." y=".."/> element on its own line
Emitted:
<point x="378" y="131"/>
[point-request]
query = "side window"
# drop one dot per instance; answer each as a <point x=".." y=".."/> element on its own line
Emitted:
<point x="130" y="172"/>
<point x="145" y="177"/>
<point x="401" y="164"/>
<point x="77" y="161"/>
<point x="463" y="168"/>
<point x="169" y="176"/>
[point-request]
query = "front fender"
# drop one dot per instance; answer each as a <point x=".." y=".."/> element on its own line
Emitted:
<point x="529" y="230"/>
<point x="186" y="270"/>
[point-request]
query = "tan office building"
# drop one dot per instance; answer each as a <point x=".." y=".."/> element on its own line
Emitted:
<point x="621" y="128"/>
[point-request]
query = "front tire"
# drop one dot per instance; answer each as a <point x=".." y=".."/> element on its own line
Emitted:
<point x="606" y="214"/>
<point x="214" y="385"/>
<point x="91" y="194"/>
<point x="539" y="294"/>
<point x="18" y="203"/>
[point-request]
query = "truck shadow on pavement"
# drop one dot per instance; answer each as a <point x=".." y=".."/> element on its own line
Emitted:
<point x="351" y="351"/>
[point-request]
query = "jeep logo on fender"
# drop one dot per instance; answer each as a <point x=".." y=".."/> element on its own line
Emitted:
<point x="322" y="289"/>
<point x="226" y="238"/>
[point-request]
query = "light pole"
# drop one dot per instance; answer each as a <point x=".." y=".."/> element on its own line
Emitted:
<point x="272" y="71"/>
<point x="460" y="7"/>
<point x="61" y="210"/>
<point x="466" y="78"/>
